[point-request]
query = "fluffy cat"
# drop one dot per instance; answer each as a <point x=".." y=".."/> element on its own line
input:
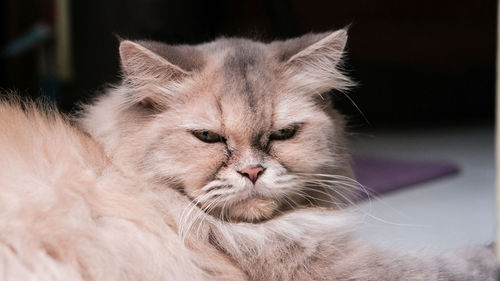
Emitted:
<point x="219" y="161"/>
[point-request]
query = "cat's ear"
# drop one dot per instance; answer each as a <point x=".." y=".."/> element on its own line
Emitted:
<point x="313" y="62"/>
<point x="156" y="70"/>
<point x="141" y="65"/>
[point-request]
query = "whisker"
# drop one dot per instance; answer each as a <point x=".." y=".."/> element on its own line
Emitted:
<point x="183" y="222"/>
<point x="356" y="106"/>
<point x="303" y="195"/>
<point x="333" y="199"/>
<point x="212" y="185"/>
<point x="332" y="188"/>
<point x="344" y="182"/>
<point x="207" y="209"/>
<point x="287" y="200"/>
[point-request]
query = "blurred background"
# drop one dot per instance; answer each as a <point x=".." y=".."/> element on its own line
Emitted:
<point x="425" y="71"/>
<point x="416" y="61"/>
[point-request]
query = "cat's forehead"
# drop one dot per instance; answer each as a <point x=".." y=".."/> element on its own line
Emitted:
<point x="237" y="56"/>
<point x="246" y="75"/>
<point x="245" y="84"/>
<point x="241" y="90"/>
<point x="241" y="81"/>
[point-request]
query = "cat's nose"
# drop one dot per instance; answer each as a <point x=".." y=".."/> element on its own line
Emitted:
<point x="252" y="172"/>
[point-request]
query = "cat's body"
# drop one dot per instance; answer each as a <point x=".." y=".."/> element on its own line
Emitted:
<point x="232" y="119"/>
<point x="68" y="213"/>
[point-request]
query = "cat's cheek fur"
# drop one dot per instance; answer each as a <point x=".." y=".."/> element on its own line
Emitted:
<point x="306" y="153"/>
<point x="185" y="159"/>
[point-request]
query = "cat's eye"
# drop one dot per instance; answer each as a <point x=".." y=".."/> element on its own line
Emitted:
<point x="285" y="133"/>
<point x="208" y="136"/>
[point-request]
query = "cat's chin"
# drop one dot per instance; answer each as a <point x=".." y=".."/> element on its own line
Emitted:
<point x="252" y="210"/>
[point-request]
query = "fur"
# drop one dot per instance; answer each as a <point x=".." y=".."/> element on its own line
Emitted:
<point x="140" y="197"/>
<point x="67" y="213"/>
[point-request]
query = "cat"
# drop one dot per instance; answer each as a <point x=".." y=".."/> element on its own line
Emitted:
<point x="246" y="131"/>
<point x="221" y="161"/>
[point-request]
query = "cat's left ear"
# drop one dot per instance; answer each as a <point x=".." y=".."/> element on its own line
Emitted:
<point x="313" y="62"/>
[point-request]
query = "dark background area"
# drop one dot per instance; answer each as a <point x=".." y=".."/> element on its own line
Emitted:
<point x="422" y="62"/>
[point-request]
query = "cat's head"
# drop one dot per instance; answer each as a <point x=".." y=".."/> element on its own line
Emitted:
<point x="244" y="129"/>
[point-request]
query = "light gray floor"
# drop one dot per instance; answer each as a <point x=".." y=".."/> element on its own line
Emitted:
<point x="442" y="214"/>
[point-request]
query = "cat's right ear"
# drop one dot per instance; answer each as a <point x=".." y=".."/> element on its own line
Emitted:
<point x="142" y="65"/>
<point x="147" y="72"/>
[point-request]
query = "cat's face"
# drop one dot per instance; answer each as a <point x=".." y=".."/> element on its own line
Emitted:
<point x="237" y="126"/>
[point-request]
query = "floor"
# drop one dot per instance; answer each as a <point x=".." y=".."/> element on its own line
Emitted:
<point x="442" y="214"/>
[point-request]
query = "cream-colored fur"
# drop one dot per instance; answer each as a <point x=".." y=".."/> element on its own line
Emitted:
<point x="67" y="213"/>
<point x="143" y="198"/>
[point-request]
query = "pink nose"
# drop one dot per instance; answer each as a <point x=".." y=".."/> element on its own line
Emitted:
<point x="252" y="172"/>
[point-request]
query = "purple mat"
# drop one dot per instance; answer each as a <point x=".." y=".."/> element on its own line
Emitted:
<point x="382" y="175"/>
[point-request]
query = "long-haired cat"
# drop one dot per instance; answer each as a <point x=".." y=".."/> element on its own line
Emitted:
<point x="220" y="161"/>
